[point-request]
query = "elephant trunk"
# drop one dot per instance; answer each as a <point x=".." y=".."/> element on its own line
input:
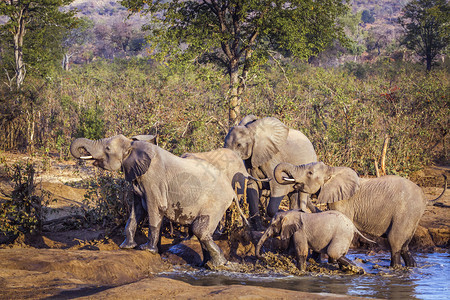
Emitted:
<point x="85" y="148"/>
<point x="261" y="241"/>
<point x="283" y="173"/>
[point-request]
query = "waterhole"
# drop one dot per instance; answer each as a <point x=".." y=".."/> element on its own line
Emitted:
<point x="430" y="280"/>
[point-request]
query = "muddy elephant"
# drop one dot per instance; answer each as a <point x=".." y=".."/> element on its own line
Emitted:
<point x="329" y="232"/>
<point x="263" y="144"/>
<point x="388" y="206"/>
<point x="230" y="163"/>
<point x="188" y="192"/>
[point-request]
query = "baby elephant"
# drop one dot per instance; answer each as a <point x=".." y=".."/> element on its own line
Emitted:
<point x="329" y="232"/>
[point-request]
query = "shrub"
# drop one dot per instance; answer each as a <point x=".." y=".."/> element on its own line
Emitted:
<point x="22" y="210"/>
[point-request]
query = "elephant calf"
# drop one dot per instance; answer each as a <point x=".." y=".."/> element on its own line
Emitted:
<point x="329" y="232"/>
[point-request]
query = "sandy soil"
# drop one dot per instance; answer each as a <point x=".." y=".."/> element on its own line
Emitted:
<point x="67" y="262"/>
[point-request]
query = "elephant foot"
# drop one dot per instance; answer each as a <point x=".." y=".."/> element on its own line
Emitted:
<point x="148" y="247"/>
<point x="218" y="264"/>
<point x="127" y="244"/>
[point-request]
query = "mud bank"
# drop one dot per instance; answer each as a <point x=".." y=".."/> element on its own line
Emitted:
<point x="66" y="274"/>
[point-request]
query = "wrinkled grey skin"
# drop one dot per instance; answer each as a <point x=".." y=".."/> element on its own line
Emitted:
<point x="189" y="192"/>
<point x="263" y="144"/>
<point x="233" y="167"/>
<point x="329" y="232"/>
<point x="388" y="206"/>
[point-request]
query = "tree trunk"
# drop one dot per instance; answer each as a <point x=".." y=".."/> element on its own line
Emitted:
<point x="18" y="50"/>
<point x="234" y="107"/>
<point x="429" y="62"/>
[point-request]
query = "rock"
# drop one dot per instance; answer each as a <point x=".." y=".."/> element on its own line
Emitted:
<point x="422" y="239"/>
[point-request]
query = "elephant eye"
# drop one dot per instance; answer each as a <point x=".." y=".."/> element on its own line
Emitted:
<point x="107" y="148"/>
<point x="310" y="173"/>
<point x="239" y="145"/>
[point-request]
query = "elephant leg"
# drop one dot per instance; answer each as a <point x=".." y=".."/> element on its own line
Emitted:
<point x="273" y="206"/>
<point x="407" y="257"/>
<point x="303" y="201"/>
<point x="136" y="216"/>
<point x="294" y="200"/>
<point x="316" y="256"/>
<point x="253" y="205"/>
<point x="206" y="256"/>
<point x="200" y="230"/>
<point x="396" y="242"/>
<point x="154" y="230"/>
<point x="277" y="193"/>
<point x="301" y="249"/>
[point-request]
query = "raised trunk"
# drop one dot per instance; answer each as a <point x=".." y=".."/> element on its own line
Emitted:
<point x="283" y="173"/>
<point x="91" y="148"/>
<point x="266" y="235"/>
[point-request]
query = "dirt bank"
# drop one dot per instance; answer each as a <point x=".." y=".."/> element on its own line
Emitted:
<point x="70" y="261"/>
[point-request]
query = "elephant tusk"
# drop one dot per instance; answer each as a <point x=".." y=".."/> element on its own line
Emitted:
<point x="288" y="179"/>
<point x="86" y="157"/>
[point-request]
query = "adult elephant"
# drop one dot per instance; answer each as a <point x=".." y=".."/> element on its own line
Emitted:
<point x="230" y="163"/>
<point x="388" y="206"/>
<point x="189" y="192"/>
<point x="263" y="144"/>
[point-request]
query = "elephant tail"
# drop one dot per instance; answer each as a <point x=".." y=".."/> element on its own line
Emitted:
<point x="257" y="179"/>
<point x="443" y="192"/>
<point x="367" y="239"/>
<point x="244" y="219"/>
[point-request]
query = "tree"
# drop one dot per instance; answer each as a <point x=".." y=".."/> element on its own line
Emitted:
<point x="367" y="17"/>
<point x="24" y="13"/>
<point x="427" y="28"/>
<point x="239" y="34"/>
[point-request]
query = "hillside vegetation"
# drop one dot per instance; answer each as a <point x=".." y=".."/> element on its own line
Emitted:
<point x="346" y="112"/>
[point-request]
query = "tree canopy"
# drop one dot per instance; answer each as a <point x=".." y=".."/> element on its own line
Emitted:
<point x="427" y="28"/>
<point x="44" y="20"/>
<point x="239" y="33"/>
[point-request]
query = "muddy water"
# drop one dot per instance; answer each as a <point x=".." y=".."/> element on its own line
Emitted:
<point x="430" y="280"/>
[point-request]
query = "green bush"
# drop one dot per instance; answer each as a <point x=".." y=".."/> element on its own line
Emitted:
<point x="22" y="210"/>
<point x="107" y="201"/>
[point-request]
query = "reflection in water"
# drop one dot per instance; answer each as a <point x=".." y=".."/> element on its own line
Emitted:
<point x="430" y="280"/>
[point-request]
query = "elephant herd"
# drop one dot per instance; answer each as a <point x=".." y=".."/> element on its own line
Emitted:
<point x="259" y="155"/>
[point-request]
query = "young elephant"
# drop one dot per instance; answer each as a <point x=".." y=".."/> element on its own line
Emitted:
<point x="329" y="232"/>
<point x="388" y="206"/>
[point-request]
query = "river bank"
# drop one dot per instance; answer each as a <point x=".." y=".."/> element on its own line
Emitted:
<point x="66" y="262"/>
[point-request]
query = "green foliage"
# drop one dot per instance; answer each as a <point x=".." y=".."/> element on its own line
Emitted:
<point x="367" y="17"/>
<point x="91" y="123"/>
<point x="107" y="201"/>
<point x="427" y="28"/>
<point x="346" y="112"/>
<point x="32" y="35"/>
<point x="21" y="211"/>
<point x="238" y="35"/>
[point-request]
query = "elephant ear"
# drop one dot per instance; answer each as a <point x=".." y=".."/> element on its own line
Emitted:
<point x="247" y="119"/>
<point x="342" y="184"/>
<point x="270" y="136"/>
<point x="290" y="224"/>
<point x="138" y="160"/>
<point x="153" y="139"/>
